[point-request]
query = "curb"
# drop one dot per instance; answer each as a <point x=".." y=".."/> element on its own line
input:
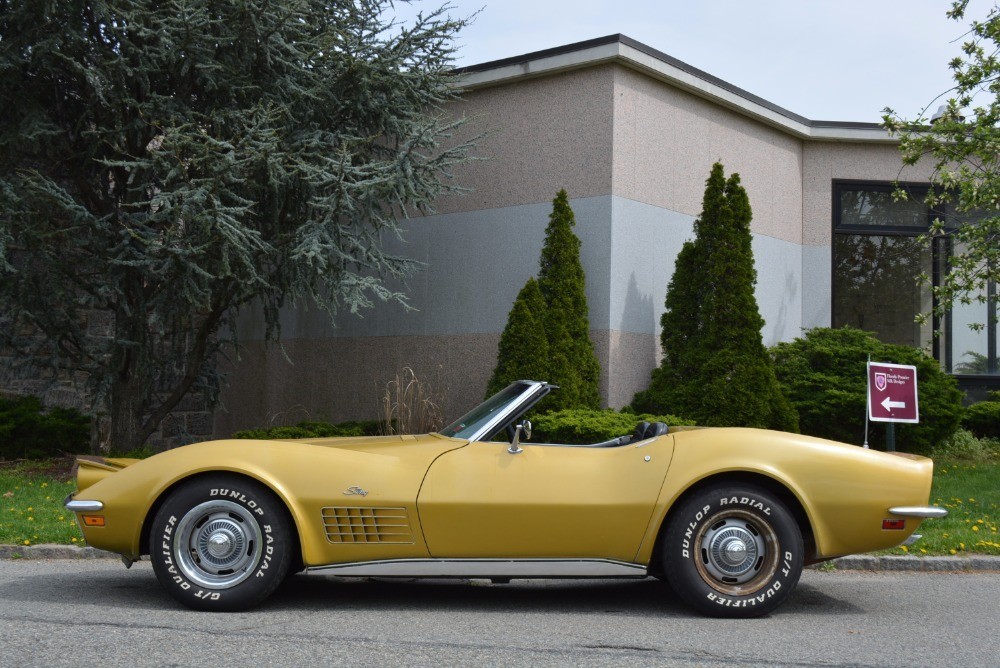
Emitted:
<point x="53" y="551"/>
<point x="868" y="562"/>
<point x="861" y="562"/>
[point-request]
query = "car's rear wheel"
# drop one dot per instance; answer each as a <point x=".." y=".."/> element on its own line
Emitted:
<point x="733" y="551"/>
<point x="221" y="543"/>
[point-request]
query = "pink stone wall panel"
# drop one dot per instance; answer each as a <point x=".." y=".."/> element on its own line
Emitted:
<point x="825" y="161"/>
<point x="344" y="378"/>
<point x="541" y="135"/>
<point x="666" y="141"/>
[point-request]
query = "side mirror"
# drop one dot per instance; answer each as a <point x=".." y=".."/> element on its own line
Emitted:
<point x="522" y="430"/>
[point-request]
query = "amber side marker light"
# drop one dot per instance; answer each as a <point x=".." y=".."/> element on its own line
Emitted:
<point x="893" y="525"/>
<point x="93" y="520"/>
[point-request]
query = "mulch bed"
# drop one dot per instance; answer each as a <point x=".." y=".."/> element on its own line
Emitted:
<point x="60" y="468"/>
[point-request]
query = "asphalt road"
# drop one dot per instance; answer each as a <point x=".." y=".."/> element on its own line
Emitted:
<point x="95" y="613"/>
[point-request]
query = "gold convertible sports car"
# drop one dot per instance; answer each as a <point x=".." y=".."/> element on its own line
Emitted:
<point x="728" y="517"/>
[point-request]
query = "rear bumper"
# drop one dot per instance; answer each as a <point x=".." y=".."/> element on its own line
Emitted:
<point x="926" y="512"/>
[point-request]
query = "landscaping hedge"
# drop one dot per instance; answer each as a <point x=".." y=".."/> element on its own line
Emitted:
<point x="313" y="429"/>
<point x="586" y="425"/>
<point x="983" y="419"/>
<point x="824" y="376"/>
<point x="571" y="425"/>
<point x="28" y="430"/>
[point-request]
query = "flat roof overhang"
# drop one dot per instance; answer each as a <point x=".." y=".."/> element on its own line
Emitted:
<point x="622" y="50"/>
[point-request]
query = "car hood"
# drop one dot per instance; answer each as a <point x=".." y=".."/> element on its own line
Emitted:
<point x="417" y="450"/>
<point x="381" y="445"/>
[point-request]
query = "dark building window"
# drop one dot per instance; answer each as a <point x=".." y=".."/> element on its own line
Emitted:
<point x="877" y="263"/>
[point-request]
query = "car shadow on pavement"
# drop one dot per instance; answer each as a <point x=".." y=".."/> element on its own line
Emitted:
<point x="646" y="597"/>
<point x="642" y="598"/>
<point x="138" y="589"/>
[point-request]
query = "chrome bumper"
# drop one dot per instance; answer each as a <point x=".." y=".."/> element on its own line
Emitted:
<point x="927" y="512"/>
<point x="80" y="506"/>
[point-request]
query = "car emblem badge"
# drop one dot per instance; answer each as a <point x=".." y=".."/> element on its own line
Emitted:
<point x="355" y="491"/>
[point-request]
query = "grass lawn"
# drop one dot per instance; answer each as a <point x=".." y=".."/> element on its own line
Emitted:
<point x="970" y="491"/>
<point x="31" y="511"/>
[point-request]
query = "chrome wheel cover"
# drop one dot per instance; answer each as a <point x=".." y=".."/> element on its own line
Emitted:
<point x="218" y="544"/>
<point x="737" y="552"/>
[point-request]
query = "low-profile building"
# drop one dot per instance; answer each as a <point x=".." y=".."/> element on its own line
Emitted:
<point x="631" y="134"/>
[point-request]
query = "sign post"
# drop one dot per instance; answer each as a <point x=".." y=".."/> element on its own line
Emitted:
<point x="892" y="396"/>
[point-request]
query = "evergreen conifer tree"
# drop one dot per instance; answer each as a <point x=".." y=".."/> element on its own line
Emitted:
<point x="163" y="165"/>
<point x="547" y="336"/>
<point x="573" y="365"/>
<point x="524" y="350"/>
<point x="715" y="368"/>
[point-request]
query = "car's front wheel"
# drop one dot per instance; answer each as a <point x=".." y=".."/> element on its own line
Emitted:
<point x="221" y="543"/>
<point x="733" y="551"/>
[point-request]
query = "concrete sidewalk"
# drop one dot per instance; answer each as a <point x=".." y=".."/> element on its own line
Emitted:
<point x="861" y="562"/>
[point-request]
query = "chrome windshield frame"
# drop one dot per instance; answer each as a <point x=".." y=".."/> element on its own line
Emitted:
<point x="533" y="391"/>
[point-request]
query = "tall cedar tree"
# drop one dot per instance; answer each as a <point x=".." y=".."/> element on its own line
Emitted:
<point x="552" y="342"/>
<point x="715" y="368"/>
<point x="524" y="350"/>
<point x="572" y="363"/>
<point x="163" y="165"/>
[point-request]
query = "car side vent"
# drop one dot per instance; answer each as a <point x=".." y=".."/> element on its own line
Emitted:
<point x="367" y="525"/>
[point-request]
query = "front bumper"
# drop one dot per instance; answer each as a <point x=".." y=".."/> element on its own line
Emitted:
<point x="81" y="506"/>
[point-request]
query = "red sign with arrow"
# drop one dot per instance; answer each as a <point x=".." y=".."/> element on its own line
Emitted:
<point x="892" y="392"/>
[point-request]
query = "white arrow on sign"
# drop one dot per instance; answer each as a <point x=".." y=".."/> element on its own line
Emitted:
<point x="889" y="405"/>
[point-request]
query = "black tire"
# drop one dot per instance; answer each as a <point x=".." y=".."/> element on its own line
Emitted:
<point x="221" y="543"/>
<point x="733" y="551"/>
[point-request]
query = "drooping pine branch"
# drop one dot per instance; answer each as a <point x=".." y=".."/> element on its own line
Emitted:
<point x="168" y="163"/>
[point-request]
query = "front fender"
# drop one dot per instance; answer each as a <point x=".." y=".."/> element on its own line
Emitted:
<point x="307" y="478"/>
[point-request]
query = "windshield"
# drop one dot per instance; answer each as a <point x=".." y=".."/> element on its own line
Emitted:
<point x="470" y="423"/>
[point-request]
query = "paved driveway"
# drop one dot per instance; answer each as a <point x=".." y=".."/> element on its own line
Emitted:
<point x="95" y="613"/>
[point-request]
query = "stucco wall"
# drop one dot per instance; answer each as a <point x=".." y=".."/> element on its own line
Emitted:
<point x="633" y="154"/>
<point x="666" y="141"/>
<point x="475" y="264"/>
<point x="343" y="378"/>
<point x="826" y="161"/>
<point x="538" y="135"/>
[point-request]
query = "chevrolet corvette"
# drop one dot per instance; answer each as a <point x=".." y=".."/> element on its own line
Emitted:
<point x="727" y="517"/>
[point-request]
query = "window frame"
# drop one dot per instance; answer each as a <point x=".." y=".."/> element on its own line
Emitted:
<point x="941" y="252"/>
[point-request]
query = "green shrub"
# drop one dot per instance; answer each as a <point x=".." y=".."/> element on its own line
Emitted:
<point x="964" y="446"/>
<point x="585" y="425"/>
<point x="28" y="430"/>
<point x="824" y="376"/>
<point x="313" y="429"/>
<point x="983" y="419"/>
